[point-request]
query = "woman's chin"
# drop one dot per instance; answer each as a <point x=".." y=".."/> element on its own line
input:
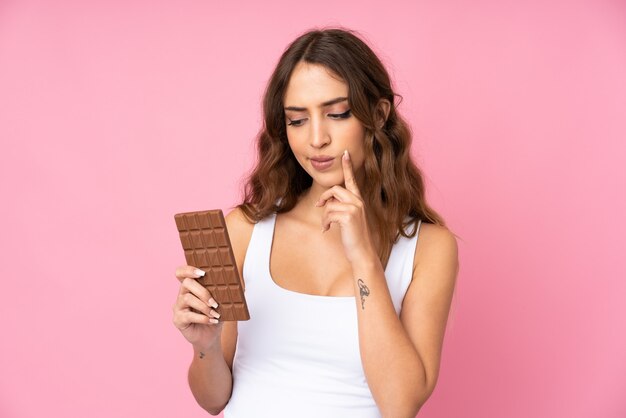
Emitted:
<point x="326" y="180"/>
<point x="327" y="183"/>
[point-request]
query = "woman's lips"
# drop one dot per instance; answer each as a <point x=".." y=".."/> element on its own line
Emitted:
<point x="322" y="165"/>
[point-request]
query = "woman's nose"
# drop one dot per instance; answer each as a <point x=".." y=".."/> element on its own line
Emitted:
<point x="319" y="135"/>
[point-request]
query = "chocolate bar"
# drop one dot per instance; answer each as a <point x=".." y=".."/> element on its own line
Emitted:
<point x="207" y="246"/>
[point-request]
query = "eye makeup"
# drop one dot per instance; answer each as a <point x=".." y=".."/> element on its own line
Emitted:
<point x="344" y="115"/>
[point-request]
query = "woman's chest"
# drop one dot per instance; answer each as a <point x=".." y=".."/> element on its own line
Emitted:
<point x="311" y="265"/>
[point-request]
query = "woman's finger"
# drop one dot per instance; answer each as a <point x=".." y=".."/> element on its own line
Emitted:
<point x="196" y="318"/>
<point x="185" y="318"/>
<point x="183" y="272"/>
<point x="340" y="194"/>
<point x="339" y="217"/>
<point x="334" y="204"/>
<point x="188" y="300"/>
<point x="198" y="290"/>
<point x="348" y="174"/>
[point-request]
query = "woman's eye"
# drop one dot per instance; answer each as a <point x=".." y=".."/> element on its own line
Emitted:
<point x="343" y="115"/>
<point x="299" y="122"/>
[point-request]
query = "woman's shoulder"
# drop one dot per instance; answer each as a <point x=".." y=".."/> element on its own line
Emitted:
<point x="240" y="229"/>
<point x="238" y="219"/>
<point x="435" y="242"/>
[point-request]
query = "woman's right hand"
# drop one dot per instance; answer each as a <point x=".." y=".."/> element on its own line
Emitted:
<point x="200" y="329"/>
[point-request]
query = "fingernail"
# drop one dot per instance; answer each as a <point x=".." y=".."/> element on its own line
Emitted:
<point x="199" y="272"/>
<point x="213" y="321"/>
<point x="215" y="314"/>
<point x="345" y="154"/>
<point x="212" y="303"/>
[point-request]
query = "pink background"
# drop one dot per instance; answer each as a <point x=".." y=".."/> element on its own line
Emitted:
<point x="116" y="115"/>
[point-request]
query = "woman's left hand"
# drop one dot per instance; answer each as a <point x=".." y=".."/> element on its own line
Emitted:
<point x="345" y="207"/>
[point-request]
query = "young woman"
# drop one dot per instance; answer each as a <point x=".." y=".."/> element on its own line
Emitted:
<point x="348" y="312"/>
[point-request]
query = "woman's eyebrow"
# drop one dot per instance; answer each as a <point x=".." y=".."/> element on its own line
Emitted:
<point x="326" y="103"/>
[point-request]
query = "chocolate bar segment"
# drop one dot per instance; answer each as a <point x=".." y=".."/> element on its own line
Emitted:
<point x="205" y="240"/>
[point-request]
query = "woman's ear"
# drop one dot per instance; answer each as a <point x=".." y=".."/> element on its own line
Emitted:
<point x="382" y="112"/>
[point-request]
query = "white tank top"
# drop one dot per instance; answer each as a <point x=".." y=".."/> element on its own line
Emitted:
<point x="298" y="355"/>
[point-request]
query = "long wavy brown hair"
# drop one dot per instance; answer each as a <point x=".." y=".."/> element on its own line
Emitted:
<point x="393" y="192"/>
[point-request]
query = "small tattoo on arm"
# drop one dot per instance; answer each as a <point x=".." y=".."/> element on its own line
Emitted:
<point x="201" y="354"/>
<point x="364" y="291"/>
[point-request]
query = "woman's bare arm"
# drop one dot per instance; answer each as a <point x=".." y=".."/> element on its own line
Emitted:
<point x="209" y="376"/>
<point x="401" y="356"/>
<point x="210" y="372"/>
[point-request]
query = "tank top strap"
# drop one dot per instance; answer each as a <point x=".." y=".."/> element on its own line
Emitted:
<point x="399" y="271"/>
<point x="259" y="248"/>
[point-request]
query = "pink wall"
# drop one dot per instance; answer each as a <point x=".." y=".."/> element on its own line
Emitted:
<point x="116" y="115"/>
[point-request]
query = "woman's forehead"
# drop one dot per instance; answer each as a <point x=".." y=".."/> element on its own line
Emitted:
<point x="310" y="85"/>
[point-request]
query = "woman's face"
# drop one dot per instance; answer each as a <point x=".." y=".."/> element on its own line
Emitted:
<point x="320" y="124"/>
